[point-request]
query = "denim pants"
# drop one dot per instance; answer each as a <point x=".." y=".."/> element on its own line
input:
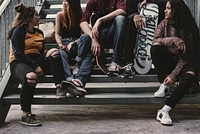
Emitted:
<point x="82" y="54"/>
<point x="115" y="34"/>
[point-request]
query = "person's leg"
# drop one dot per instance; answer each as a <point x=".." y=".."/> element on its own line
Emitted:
<point x="76" y="87"/>
<point x="187" y="79"/>
<point x="54" y="64"/>
<point x="65" y="56"/>
<point x="83" y="47"/>
<point x="27" y="77"/>
<point x="164" y="64"/>
<point x="163" y="61"/>
<point x="129" y="42"/>
<point x="129" y="46"/>
<point x="116" y="32"/>
<point x="85" y="69"/>
<point x="25" y="74"/>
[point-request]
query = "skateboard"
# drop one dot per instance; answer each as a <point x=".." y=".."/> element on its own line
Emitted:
<point x="142" y="62"/>
<point x="100" y="60"/>
<point x="101" y="64"/>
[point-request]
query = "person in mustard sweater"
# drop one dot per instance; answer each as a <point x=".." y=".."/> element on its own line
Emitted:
<point x="28" y="61"/>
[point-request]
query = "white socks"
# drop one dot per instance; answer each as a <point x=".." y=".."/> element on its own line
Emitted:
<point x="166" y="108"/>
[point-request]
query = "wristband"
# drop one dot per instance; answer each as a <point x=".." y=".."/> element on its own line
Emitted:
<point x="59" y="44"/>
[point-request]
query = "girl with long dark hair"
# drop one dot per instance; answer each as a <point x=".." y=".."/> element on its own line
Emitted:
<point x="176" y="55"/>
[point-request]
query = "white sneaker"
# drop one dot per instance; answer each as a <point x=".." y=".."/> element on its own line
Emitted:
<point x="163" y="89"/>
<point x="163" y="117"/>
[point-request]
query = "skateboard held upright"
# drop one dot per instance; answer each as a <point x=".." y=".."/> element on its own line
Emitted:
<point x="143" y="61"/>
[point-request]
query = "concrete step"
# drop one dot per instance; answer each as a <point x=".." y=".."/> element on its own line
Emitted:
<point x="51" y="7"/>
<point x="58" y="2"/>
<point x="101" y="99"/>
<point x="97" y="88"/>
<point x="106" y="79"/>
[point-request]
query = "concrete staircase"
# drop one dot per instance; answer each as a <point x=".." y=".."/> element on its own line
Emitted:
<point x="101" y="88"/>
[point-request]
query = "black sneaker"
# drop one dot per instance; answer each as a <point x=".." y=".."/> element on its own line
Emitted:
<point x="60" y="93"/>
<point x="129" y="71"/>
<point x="30" y="120"/>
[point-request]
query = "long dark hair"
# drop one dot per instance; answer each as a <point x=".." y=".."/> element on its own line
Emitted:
<point x="24" y="16"/>
<point x="186" y="27"/>
<point x="72" y="16"/>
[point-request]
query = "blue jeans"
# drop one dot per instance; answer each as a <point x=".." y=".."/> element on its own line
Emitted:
<point x="114" y="33"/>
<point x="82" y="54"/>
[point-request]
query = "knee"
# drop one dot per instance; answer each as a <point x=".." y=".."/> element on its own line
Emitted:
<point x="190" y="73"/>
<point x="54" y="53"/>
<point x="85" y="38"/>
<point x="155" y="49"/>
<point x="31" y="79"/>
<point x="120" y="20"/>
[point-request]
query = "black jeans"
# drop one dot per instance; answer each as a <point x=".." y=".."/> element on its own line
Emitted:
<point x="129" y="41"/>
<point x="19" y="70"/>
<point x="163" y="61"/>
<point x="164" y="64"/>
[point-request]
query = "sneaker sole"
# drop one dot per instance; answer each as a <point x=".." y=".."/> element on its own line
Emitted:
<point x="126" y="76"/>
<point x="156" y="96"/>
<point x="158" y="119"/>
<point x="110" y="73"/>
<point x="31" y="125"/>
<point x="75" y="92"/>
<point x="72" y="89"/>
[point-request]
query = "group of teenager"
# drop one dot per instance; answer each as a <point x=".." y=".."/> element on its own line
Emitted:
<point x="175" y="50"/>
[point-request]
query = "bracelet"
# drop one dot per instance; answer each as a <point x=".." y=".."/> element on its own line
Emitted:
<point x="59" y="44"/>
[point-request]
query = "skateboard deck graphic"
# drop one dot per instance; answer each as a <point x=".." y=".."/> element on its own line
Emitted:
<point x="143" y="61"/>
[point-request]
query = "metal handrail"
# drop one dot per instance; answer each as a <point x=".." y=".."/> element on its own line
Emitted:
<point x="3" y="6"/>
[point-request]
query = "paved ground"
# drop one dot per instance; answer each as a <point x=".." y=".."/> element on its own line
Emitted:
<point x="139" y="119"/>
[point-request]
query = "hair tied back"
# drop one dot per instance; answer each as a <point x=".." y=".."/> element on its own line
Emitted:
<point x="20" y="8"/>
